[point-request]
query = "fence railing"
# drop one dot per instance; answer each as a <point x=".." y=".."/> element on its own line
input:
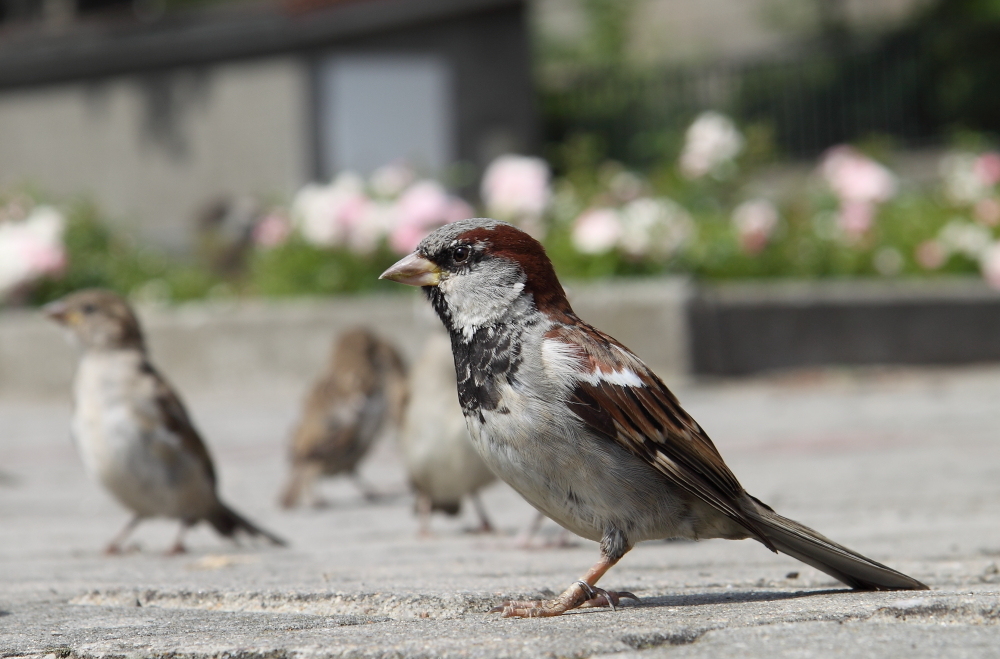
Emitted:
<point x="809" y="101"/>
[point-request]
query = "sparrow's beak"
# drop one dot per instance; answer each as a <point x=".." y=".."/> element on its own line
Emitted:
<point x="414" y="270"/>
<point x="57" y="311"/>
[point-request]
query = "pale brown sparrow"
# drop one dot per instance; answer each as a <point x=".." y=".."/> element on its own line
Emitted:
<point x="361" y="394"/>
<point x="442" y="465"/>
<point x="130" y="427"/>
<point x="580" y="427"/>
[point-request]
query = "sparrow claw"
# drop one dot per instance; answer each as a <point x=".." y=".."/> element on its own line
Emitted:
<point x="608" y="598"/>
<point x="579" y="595"/>
<point x="531" y="608"/>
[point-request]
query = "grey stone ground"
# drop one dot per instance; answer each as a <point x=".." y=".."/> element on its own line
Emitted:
<point x="901" y="465"/>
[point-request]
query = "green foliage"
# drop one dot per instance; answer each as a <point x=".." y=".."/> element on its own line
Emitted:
<point x="97" y="256"/>
<point x="297" y="268"/>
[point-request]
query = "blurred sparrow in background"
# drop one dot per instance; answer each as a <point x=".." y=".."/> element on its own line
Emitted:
<point x="580" y="427"/>
<point x="442" y="465"/>
<point x="131" y="429"/>
<point x="362" y="393"/>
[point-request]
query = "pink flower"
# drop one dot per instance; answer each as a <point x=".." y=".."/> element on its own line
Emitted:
<point x="424" y="206"/>
<point x="755" y="221"/>
<point x="987" y="168"/>
<point x="855" y="217"/>
<point x="987" y="211"/>
<point x="854" y="177"/>
<point x="990" y="265"/>
<point x="596" y="231"/>
<point x="272" y="230"/>
<point x="930" y="254"/>
<point x="31" y="248"/>
<point x="516" y="187"/>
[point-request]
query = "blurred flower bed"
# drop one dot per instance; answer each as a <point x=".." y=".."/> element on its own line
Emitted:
<point x="693" y="214"/>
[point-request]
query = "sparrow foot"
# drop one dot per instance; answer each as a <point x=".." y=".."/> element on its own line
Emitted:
<point x="579" y="595"/>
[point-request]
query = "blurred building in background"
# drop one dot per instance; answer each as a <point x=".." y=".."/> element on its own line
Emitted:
<point x="157" y="116"/>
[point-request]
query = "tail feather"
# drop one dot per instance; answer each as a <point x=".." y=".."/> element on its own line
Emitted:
<point x="812" y="548"/>
<point x="228" y="522"/>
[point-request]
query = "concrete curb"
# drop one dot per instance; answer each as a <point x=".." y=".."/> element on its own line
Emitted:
<point x="248" y="343"/>
<point x="677" y="327"/>
<point x="744" y="328"/>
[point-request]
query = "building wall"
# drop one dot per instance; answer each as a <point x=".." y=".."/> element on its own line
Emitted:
<point x="155" y="149"/>
<point x="488" y="55"/>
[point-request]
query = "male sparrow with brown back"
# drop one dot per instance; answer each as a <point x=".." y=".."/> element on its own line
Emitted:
<point x="131" y="429"/>
<point x="362" y="392"/>
<point x="580" y="427"/>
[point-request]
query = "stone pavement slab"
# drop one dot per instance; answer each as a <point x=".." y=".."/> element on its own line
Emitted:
<point x="902" y="465"/>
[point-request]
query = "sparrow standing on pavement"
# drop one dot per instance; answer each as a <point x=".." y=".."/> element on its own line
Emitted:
<point x="132" y="430"/>
<point x="442" y="464"/>
<point x="580" y="427"/>
<point x="362" y="391"/>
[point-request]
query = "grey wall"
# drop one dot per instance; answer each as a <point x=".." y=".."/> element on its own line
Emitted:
<point x="153" y="149"/>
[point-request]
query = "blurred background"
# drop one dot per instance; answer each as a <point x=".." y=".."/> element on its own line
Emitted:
<point x="186" y="149"/>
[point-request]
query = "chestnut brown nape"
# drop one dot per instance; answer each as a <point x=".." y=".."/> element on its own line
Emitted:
<point x="511" y="243"/>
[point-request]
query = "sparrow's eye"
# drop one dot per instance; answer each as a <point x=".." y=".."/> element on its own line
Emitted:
<point x="461" y="254"/>
<point x="89" y="308"/>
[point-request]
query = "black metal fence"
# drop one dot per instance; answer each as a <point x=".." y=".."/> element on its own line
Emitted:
<point x="808" y="102"/>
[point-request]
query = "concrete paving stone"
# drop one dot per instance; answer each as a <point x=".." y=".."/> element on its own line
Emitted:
<point x="902" y="465"/>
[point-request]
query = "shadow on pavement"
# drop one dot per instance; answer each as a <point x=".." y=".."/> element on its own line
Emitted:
<point x="734" y="597"/>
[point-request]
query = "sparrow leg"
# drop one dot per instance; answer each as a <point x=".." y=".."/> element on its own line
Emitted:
<point x="484" y="521"/>
<point x="424" y="506"/>
<point x="115" y="546"/>
<point x="583" y="593"/>
<point x="179" y="547"/>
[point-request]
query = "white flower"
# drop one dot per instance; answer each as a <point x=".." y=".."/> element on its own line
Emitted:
<point x="961" y="184"/>
<point x="516" y="187"/>
<point x="755" y="220"/>
<point x="31" y="248"/>
<point x="596" y="231"/>
<point x="654" y="226"/>
<point x="989" y="265"/>
<point x="710" y="142"/>
<point x="854" y="177"/>
<point x="390" y="180"/>
<point x="626" y="186"/>
<point x="326" y="214"/>
<point x="888" y="262"/>
<point x="966" y="238"/>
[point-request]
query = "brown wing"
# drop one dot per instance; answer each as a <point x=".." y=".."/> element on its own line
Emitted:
<point x="329" y="423"/>
<point x="175" y="418"/>
<point x="649" y="422"/>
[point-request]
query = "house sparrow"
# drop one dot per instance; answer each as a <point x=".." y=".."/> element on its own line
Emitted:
<point x="362" y="391"/>
<point x="131" y="429"/>
<point x="580" y="427"/>
<point x="443" y="466"/>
